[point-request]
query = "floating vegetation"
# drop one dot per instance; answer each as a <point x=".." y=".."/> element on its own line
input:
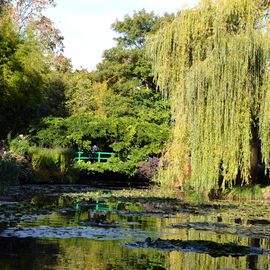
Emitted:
<point x="76" y="232"/>
<point x="113" y="227"/>
<point x="199" y="246"/>
<point x="258" y="232"/>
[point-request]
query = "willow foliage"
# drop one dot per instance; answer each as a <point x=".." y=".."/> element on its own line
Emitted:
<point x="212" y="62"/>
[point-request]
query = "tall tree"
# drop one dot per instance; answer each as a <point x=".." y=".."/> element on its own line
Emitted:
<point x="132" y="31"/>
<point x="31" y="65"/>
<point x="26" y="11"/>
<point x="79" y="92"/>
<point x="22" y="67"/>
<point x="127" y="72"/>
<point x="30" y="13"/>
<point x="126" y="66"/>
<point x="212" y="62"/>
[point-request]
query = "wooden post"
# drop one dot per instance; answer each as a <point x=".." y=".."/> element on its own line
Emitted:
<point x="79" y="156"/>
<point x="98" y="156"/>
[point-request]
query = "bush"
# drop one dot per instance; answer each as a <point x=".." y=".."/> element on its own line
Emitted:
<point x="113" y="165"/>
<point x="148" y="169"/>
<point x="19" y="145"/>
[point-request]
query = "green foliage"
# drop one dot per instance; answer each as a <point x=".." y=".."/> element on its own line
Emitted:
<point x="54" y="98"/>
<point x="133" y="30"/>
<point x="22" y="66"/>
<point x="50" y="132"/>
<point x="114" y="165"/>
<point x="20" y="145"/>
<point x="116" y="107"/>
<point x="79" y="92"/>
<point x="133" y="140"/>
<point x="245" y="193"/>
<point x="31" y="84"/>
<point x="212" y="62"/>
<point x="127" y="71"/>
<point x="110" y="132"/>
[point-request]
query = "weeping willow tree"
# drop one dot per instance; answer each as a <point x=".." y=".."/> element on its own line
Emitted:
<point x="213" y="62"/>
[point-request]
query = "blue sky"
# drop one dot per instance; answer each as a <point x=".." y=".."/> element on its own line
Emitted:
<point x="86" y="24"/>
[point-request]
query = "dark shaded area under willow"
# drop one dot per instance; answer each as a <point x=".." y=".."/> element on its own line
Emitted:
<point x="212" y="62"/>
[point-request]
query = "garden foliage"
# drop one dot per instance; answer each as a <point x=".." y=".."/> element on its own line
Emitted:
<point x="212" y="62"/>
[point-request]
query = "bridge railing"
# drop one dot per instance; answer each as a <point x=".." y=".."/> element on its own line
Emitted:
<point x="95" y="156"/>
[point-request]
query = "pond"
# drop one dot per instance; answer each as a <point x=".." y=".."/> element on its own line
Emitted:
<point x="79" y="227"/>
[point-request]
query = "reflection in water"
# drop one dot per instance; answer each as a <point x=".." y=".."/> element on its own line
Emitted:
<point x="98" y="255"/>
<point x="75" y="254"/>
<point x="93" y="235"/>
<point x="27" y="253"/>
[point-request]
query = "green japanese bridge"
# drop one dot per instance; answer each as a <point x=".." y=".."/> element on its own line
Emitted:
<point x="94" y="156"/>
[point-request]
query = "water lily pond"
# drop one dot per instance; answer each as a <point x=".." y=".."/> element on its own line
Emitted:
<point x="79" y="227"/>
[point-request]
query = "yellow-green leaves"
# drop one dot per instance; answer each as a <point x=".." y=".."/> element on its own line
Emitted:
<point x="212" y="62"/>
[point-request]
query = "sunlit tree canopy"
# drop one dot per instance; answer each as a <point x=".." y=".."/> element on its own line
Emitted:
<point x="212" y="62"/>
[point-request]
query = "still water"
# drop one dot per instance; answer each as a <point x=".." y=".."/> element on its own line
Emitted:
<point x="62" y="230"/>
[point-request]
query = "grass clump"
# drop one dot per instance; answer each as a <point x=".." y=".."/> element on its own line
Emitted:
<point x="52" y="165"/>
<point x="245" y="193"/>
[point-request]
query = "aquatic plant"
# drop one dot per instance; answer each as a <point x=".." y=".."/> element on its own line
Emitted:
<point x="212" y="63"/>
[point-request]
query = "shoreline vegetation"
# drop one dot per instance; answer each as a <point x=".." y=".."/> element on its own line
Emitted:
<point x="48" y="169"/>
<point x="189" y="113"/>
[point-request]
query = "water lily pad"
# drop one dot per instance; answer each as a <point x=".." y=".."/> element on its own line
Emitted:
<point x="258" y="231"/>
<point x="76" y="232"/>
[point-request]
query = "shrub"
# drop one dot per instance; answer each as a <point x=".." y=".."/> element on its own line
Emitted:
<point x="148" y="169"/>
<point x="19" y="145"/>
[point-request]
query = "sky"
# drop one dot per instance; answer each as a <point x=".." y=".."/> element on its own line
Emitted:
<point x="86" y="24"/>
